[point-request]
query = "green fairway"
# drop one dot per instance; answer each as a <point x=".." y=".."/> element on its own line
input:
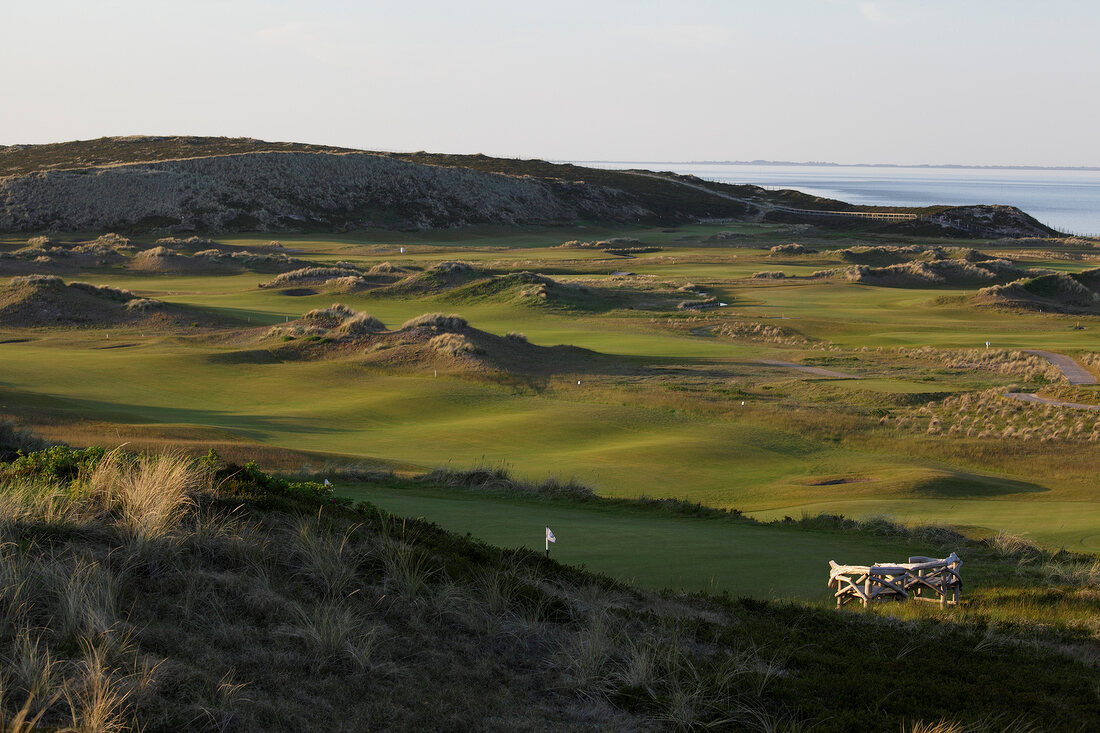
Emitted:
<point x="668" y="404"/>
<point x="653" y="551"/>
<point x="1069" y="524"/>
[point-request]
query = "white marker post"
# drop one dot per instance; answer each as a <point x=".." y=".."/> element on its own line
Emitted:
<point x="549" y="538"/>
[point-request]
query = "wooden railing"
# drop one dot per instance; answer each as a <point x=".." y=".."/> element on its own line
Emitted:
<point x="883" y="216"/>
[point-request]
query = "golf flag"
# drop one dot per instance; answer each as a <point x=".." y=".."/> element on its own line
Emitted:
<point x="550" y="536"/>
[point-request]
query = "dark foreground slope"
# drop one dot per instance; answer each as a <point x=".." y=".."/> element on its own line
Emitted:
<point x="238" y="184"/>
<point x="134" y="596"/>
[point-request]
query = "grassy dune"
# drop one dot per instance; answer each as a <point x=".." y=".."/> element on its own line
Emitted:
<point x="155" y="593"/>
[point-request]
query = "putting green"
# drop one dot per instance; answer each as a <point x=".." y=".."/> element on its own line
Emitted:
<point x="653" y="551"/>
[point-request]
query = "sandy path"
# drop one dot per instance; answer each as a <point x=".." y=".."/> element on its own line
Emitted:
<point x="1032" y="397"/>
<point x="1074" y="372"/>
<point x="818" y="371"/>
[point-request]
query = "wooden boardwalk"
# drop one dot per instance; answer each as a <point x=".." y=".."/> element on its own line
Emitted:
<point x="878" y="215"/>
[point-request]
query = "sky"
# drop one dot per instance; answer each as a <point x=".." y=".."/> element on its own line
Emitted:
<point x="980" y="82"/>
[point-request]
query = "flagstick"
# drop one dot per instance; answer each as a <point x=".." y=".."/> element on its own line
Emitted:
<point x="548" y="547"/>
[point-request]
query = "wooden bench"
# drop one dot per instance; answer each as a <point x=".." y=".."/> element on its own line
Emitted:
<point x="922" y="579"/>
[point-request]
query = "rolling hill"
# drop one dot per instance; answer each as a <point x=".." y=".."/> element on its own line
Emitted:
<point x="240" y="184"/>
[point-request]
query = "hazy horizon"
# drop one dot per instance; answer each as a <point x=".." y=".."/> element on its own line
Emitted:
<point x="828" y="163"/>
<point x="891" y="82"/>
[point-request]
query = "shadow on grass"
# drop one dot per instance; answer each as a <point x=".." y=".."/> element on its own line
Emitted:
<point x="961" y="485"/>
<point x="48" y="408"/>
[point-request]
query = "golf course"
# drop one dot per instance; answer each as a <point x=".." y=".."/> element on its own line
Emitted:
<point x="603" y="432"/>
<point x="648" y="400"/>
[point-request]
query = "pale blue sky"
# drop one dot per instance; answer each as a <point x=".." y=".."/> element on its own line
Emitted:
<point x="903" y="81"/>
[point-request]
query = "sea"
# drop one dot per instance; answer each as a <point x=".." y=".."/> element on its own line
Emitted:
<point x="1067" y="200"/>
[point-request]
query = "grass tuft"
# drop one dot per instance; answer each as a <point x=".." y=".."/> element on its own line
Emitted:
<point x="149" y="494"/>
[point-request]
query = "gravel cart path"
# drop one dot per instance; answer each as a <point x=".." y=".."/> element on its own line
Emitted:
<point x="1074" y="372"/>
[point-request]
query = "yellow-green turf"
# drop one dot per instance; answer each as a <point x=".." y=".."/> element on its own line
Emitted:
<point x="626" y="435"/>
<point x="647" y="549"/>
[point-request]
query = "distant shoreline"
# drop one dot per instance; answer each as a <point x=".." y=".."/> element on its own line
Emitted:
<point x="822" y="164"/>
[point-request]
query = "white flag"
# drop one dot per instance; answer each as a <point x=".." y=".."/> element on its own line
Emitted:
<point x="550" y="536"/>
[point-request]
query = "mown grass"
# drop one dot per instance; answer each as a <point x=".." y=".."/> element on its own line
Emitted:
<point x="666" y="420"/>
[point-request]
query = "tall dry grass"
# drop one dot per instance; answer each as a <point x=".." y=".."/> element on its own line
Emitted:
<point x="436" y="322"/>
<point x="98" y="702"/>
<point x="995" y="725"/>
<point x="992" y="415"/>
<point x="148" y="494"/>
<point x="337" y="636"/>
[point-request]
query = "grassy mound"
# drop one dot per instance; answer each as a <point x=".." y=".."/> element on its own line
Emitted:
<point x="620" y="246"/>
<point x="436" y="322"/>
<point x="1057" y="292"/>
<point x="342" y="277"/>
<point x="931" y="273"/>
<point x="755" y="331"/>
<point x="162" y="259"/>
<point x="513" y="286"/>
<point x="532" y="289"/>
<point x="448" y="342"/>
<point x="138" y="596"/>
<point x="430" y="341"/>
<point x="41" y="255"/>
<point x="330" y="277"/>
<point x="46" y="300"/>
<point x="193" y="243"/>
<point x="438" y="278"/>
<point x="33" y="301"/>
<point x="880" y="255"/>
<point x="335" y="323"/>
<point x="792" y="248"/>
<point x="529" y="288"/>
<point x="165" y="259"/>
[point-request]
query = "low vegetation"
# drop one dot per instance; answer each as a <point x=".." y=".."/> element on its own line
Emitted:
<point x="931" y="273"/>
<point x="160" y="593"/>
<point x="165" y="259"/>
<point x="1053" y="292"/>
<point x="337" y="322"/>
<point x="47" y="300"/>
<point x="991" y="414"/>
<point x="1028" y="367"/>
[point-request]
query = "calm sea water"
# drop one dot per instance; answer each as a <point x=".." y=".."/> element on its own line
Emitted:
<point x="1066" y="200"/>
